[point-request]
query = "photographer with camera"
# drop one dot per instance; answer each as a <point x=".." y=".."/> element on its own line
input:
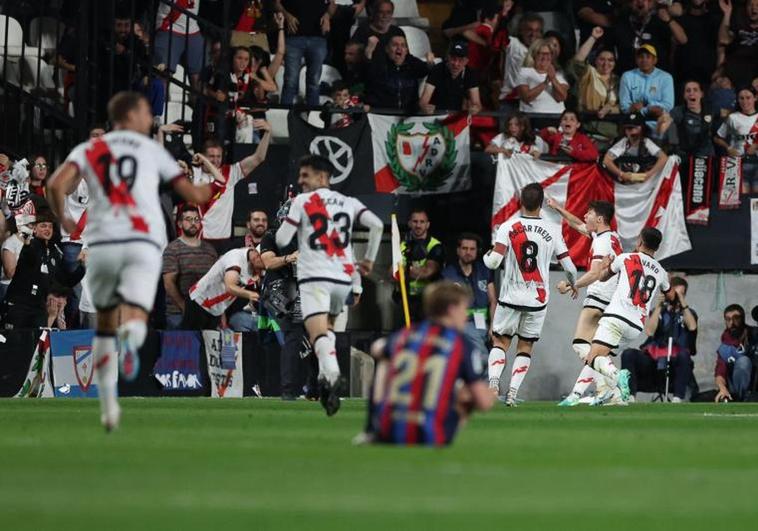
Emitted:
<point x="280" y="303"/>
<point x="736" y="356"/>
<point x="671" y="318"/>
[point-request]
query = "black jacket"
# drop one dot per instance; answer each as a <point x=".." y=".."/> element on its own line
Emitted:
<point x="389" y="86"/>
<point x="39" y="265"/>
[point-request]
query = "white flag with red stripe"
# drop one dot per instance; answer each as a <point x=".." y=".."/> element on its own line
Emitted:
<point x="421" y="154"/>
<point x="654" y="203"/>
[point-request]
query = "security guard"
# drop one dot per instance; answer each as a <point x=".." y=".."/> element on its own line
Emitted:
<point x="468" y="271"/>
<point x="422" y="257"/>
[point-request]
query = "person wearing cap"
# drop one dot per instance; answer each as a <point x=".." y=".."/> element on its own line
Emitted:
<point x="39" y="266"/>
<point x="647" y="90"/>
<point x="451" y="84"/>
<point x="634" y="158"/>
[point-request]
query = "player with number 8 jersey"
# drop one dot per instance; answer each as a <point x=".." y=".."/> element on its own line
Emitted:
<point x="126" y="234"/>
<point x="323" y="222"/>
<point x="527" y="244"/>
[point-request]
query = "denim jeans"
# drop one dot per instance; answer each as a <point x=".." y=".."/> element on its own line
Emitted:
<point x="313" y="50"/>
<point x="739" y="382"/>
<point x="243" y="321"/>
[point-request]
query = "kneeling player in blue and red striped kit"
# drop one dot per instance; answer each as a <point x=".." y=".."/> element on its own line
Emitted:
<point x="428" y="377"/>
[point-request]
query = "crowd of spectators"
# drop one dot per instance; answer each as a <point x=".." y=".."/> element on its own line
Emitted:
<point x="645" y="79"/>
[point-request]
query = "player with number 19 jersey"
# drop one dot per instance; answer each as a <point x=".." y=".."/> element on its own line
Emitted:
<point x="123" y="170"/>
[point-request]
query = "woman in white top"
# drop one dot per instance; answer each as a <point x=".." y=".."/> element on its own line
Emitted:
<point x="518" y="137"/>
<point x="541" y="88"/>
<point x="738" y="136"/>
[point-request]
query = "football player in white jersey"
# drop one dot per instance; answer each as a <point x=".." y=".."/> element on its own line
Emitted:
<point x="527" y="243"/>
<point x="639" y="277"/>
<point x="605" y="242"/>
<point x="323" y="221"/>
<point x="126" y="233"/>
<point x="232" y="276"/>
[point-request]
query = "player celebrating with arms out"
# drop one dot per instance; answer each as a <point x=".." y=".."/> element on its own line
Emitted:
<point x="527" y="243"/>
<point x="126" y="233"/>
<point x="639" y="276"/>
<point x="605" y="242"/>
<point x="323" y="221"/>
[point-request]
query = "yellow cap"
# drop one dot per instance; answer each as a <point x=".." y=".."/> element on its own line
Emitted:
<point x="649" y="48"/>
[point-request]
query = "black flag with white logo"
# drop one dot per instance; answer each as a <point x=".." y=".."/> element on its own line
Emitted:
<point x="347" y="148"/>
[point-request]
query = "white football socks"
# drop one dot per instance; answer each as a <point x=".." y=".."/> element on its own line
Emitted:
<point x="604" y="365"/>
<point x="521" y="364"/>
<point x="134" y="332"/>
<point x="495" y="364"/>
<point x="326" y="351"/>
<point x="105" y="356"/>
<point x="585" y="379"/>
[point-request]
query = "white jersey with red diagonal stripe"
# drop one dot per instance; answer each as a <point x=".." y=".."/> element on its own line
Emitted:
<point x="76" y="209"/>
<point x="639" y="277"/>
<point x="210" y="291"/>
<point x="604" y="244"/>
<point x="530" y="245"/>
<point x="324" y="220"/>
<point x="217" y="212"/>
<point x="123" y="170"/>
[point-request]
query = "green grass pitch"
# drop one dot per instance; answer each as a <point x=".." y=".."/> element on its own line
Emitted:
<point x="263" y="464"/>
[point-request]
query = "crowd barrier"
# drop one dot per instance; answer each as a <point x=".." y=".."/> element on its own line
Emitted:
<point x="52" y="363"/>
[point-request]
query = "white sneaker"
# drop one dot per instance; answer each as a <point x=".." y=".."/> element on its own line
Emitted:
<point x="601" y="397"/>
<point x="510" y="399"/>
<point x="615" y="399"/>
<point x="676" y="400"/>
<point x="495" y="384"/>
<point x="110" y="414"/>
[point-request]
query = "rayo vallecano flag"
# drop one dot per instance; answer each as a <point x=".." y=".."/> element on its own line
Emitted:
<point x="347" y="148"/>
<point x="654" y="203"/>
<point x="421" y="155"/>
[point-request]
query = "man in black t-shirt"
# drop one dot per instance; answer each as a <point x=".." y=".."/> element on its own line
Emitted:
<point x="450" y="85"/>
<point x="379" y="25"/>
<point x="645" y="22"/>
<point x="307" y="23"/>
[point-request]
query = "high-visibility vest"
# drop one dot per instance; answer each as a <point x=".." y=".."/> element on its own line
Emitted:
<point x="415" y="287"/>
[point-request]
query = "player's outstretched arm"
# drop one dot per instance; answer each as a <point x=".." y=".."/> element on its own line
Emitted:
<point x="602" y="273"/>
<point x="248" y="164"/>
<point x="198" y="195"/>
<point x="285" y="233"/>
<point x="63" y="182"/>
<point x="375" y="229"/>
<point x="231" y="282"/>
<point x="573" y="221"/>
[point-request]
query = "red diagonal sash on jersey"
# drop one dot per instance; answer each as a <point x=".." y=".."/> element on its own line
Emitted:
<point x="635" y="272"/>
<point x="80" y="225"/>
<point x="518" y="238"/>
<point x="100" y="159"/>
<point x="616" y="245"/>
<point x="173" y="15"/>
<point x="318" y="214"/>
<point x="752" y="135"/>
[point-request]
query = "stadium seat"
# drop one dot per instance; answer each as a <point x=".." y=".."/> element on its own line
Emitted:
<point x="555" y="21"/>
<point x="418" y="41"/>
<point x="15" y="36"/>
<point x="175" y="91"/>
<point x="314" y="118"/>
<point x="329" y="75"/>
<point x="406" y="13"/>
<point x="176" y="111"/>
<point x="45" y="33"/>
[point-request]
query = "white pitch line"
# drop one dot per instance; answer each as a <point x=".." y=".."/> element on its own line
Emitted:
<point x="730" y="414"/>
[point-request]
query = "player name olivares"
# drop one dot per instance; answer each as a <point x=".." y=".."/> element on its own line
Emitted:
<point x="527" y="227"/>
<point x="651" y="263"/>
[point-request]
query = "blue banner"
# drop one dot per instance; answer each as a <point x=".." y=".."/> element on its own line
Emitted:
<point x="73" y="363"/>
<point x="178" y="368"/>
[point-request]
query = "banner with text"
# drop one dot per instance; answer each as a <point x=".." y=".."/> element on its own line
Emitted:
<point x="178" y="368"/>
<point x="656" y="202"/>
<point x="224" y="353"/>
